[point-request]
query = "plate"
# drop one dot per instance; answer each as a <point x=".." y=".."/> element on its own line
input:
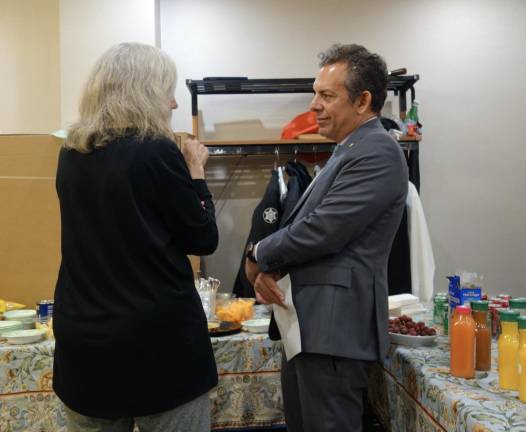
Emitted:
<point x="259" y="325"/>
<point x="7" y="326"/>
<point x="21" y="315"/>
<point x="19" y="337"/>
<point x="401" y="339"/>
<point x="225" y="328"/>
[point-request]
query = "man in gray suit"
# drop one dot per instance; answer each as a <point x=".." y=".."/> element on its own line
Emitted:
<point x="335" y="248"/>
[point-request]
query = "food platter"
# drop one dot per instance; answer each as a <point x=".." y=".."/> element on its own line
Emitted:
<point x="223" y="328"/>
<point x="404" y="331"/>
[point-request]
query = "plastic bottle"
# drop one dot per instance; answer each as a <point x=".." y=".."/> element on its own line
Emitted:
<point x="518" y="304"/>
<point x="462" y="331"/>
<point x="482" y="336"/>
<point x="508" y="345"/>
<point x="522" y="359"/>
<point x="411" y="119"/>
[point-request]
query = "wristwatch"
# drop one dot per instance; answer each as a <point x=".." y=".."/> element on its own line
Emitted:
<point x="249" y="252"/>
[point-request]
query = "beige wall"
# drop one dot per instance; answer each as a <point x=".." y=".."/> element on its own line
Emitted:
<point x="29" y="66"/>
<point x="29" y="220"/>
<point x="38" y="86"/>
<point x="87" y="29"/>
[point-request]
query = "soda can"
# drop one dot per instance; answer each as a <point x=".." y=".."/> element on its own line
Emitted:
<point x="44" y="310"/>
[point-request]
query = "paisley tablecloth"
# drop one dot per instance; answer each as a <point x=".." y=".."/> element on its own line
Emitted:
<point x="414" y="392"/>
<point x="248" y="393"/>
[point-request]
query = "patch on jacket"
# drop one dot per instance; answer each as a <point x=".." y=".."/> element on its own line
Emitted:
<point x="270" y="215"/>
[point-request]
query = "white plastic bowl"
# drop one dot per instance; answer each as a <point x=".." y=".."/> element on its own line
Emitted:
<point x="6" y="326"/>
<point x="21" y="315"/>
<point x="409" y="340"/>
<point x="259" y="325"/>
<point x="19" y="337"/>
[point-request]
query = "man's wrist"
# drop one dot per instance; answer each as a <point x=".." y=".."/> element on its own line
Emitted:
<point x="250" y="252"/>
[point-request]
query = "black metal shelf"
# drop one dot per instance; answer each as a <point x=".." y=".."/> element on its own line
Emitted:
<point x="397" y="84"/>
<point x="240" y="85"/>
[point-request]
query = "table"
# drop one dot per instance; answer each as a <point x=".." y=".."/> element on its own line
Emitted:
<point x="411" y="392"/>
<point x="248" y="393"/>
<point x="414" y="392"/>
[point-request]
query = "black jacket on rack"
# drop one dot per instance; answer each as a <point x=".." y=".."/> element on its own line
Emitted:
<point x="299" y="180"/>
<point x="399" y="264"/>
<point x="265" y="221"/>
<point x="269" y="213"/>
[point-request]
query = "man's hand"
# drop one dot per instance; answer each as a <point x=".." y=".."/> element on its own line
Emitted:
<point x="251" y="271"/>
<point x="267" y="290"/>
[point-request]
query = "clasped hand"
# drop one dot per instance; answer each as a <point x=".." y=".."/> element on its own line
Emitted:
<point x="265" y="285"/>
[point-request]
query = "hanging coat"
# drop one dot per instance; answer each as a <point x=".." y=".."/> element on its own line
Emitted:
<point x="265" y="220"/>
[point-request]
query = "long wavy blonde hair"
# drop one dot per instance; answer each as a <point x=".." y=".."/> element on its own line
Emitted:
<point x="131" y="87"/>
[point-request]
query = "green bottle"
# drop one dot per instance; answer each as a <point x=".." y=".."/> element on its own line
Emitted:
<point x="411" y="119"/>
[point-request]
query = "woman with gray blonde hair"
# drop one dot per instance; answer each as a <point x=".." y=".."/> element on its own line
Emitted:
<point x="132" y="344"/>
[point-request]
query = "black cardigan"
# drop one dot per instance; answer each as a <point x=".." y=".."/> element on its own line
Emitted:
<point x="131" y="334"/>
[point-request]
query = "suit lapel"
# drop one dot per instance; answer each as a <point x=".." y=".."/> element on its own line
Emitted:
<point x="339" y="150"/>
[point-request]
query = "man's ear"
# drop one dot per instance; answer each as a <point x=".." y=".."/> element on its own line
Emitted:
<point x="364" y="102"/>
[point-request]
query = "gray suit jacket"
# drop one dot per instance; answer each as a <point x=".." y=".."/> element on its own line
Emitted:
<point x="337" y="244"/>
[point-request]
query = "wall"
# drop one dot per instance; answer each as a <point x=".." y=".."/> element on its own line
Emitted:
<point x="29" y="72"/>
<point x="30" y="220"/>
<point x="38" y="87"/>
<point x="470" y="59"/>
<point x="87" y="29"/>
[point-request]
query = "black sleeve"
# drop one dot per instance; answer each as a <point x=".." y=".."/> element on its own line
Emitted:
<point x="185" y="204"/>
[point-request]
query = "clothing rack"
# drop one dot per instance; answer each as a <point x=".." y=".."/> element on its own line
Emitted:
<point x="240" y="149"/>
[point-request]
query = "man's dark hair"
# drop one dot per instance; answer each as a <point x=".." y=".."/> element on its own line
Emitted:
<point x="365" y="71"/>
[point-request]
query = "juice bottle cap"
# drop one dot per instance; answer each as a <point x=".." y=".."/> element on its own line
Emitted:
<point x="522" y="322"/>
<point x="463" y="310"/>
<point x="481" y="305"/>
<point x="508" y="315"/>
<point x="518" y="303"/>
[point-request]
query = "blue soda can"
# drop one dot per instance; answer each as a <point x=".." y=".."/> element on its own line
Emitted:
<point x="44" y="311"/>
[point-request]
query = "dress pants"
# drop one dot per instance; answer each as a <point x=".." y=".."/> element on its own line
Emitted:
<point x="323" y="393"/>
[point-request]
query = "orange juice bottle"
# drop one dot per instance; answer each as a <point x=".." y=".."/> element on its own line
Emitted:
<point x="522" y="358"/>
<point x="482" y="336"/>
<point x="462" y="331"/>
<point x="509" y="350"/>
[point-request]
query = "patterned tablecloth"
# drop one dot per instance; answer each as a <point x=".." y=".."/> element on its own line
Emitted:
<point x="414" y="392"/>
<point x="248" y="393"/>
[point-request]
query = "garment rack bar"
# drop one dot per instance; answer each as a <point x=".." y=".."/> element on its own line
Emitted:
<point x="266" y="149"/>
